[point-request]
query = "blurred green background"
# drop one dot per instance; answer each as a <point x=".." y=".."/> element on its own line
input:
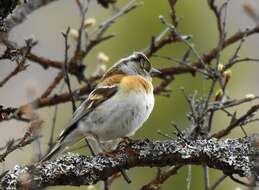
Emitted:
<point x="134" y="32"/>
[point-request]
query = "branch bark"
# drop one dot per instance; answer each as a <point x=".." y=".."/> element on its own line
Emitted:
<point x="229" y="156"/>
<point x="20" y="14"/>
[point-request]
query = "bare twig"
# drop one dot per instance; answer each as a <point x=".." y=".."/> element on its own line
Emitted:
<point x="241" y="182"/>
<point x="218" y="182"/>
<point x="65" y="70"/>
<point x="103" y="27"/>
<point x="77" y="59"/>
<point x="21" y="66"/>
<point x="45" y="63"/>
<point x="27" y="139"/>
<point x="208" y="57"/>
<point x="172" y="4"/>
<point x="155" y="183"/>
<point x="230" y="103"/>
<point x="236" y="122"/>
<point x="53" y="85"/>
<point x="51" y="138"/>
<point x="206" y="177"/>
<point x="60" y="98"/>
<point x="189" y="178"/>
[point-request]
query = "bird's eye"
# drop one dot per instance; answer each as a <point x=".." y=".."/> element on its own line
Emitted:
<point x="145" y="65"/>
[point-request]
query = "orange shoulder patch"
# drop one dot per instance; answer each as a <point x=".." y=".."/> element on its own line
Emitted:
<point x="111" y="80"/>
<point x="136" y="83"/>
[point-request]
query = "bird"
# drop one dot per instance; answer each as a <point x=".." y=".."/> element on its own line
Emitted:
<point x="119" y="105"/>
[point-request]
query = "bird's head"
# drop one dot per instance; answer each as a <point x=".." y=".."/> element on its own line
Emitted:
<point x="135" y="64"/>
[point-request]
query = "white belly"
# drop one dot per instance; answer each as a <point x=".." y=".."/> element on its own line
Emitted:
<point x="120" y="116"/>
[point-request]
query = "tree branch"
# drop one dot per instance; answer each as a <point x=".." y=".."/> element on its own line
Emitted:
<point x="19" y="15"/>
<point x="208" y="57"/>
<point x="230" y="156"/>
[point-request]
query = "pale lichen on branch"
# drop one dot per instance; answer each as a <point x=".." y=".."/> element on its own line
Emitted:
<point x="230" y="156"/>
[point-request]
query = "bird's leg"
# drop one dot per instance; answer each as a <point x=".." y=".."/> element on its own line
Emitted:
<point x="105" y="149"/>
<point x="90" y="147"/>
<point x="94" y="145"/>
<point x="104" y="153"/>
<point x="93" y="154"/>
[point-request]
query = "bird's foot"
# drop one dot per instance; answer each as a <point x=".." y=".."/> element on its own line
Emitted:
<point x="125" y="141"/>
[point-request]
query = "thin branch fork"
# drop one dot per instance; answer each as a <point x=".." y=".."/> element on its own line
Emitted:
<point x="104" y="26"/>
<point x="21" y="66"/>
<point x="21" y="13"/>
<point x="208" y="57"/>
<point x="20" y="113"/>
<point x="27" y="139"/>
<point x="236" y="122"/>
<point x="218" y="14"/>
<point x="48" y="63"/>
<point x="155" y="183"/>
<point x="73" y="68"/>
<point x="230" y="156"/>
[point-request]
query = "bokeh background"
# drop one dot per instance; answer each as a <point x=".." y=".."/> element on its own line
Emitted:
<point x="134" y="32"/>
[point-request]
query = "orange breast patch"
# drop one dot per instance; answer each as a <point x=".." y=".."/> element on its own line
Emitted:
<point x="136" y="83"/>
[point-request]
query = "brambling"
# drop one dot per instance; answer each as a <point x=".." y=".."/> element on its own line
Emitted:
<point x="117" y="108"/>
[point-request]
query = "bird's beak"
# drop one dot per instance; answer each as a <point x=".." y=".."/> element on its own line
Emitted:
<point x="154" y="72"/>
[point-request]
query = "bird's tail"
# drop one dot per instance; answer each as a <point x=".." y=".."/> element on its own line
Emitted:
<point x="58" y="147"/>
<point x="66" y="138"/>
